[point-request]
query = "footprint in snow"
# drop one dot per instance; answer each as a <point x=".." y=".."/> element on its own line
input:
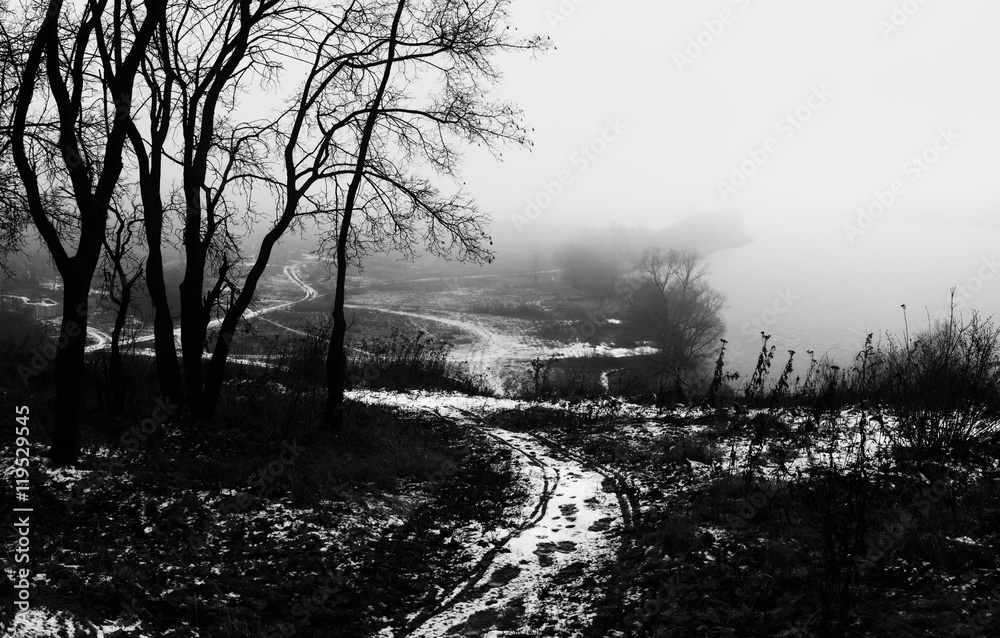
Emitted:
<point x="563" y="547"/>
<point x="602" y="525"/>
<point x="503" y="575"/>
<point x="546" y="551"/>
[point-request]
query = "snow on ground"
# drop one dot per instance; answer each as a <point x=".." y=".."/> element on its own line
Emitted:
<point x="496" y="353"/>
<point x="570" y="535"/>
<point x="570" y="530"/>
<point x="40" y="622"/>
<point x="839" y="444"/>
<point x="602" y="350"/>
<point x="103" y="339"/>
<point x="291" y="272"/>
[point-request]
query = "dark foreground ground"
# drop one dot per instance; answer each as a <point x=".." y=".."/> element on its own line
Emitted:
<point x="742" y="523"/>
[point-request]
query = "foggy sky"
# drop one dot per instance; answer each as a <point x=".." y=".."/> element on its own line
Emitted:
<point x="897" y="79"/>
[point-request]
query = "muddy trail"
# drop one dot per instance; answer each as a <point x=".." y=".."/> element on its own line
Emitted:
<point x="540" y="577"/>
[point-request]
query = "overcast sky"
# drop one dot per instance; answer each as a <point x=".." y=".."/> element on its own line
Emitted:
<point x="686" y="127"/>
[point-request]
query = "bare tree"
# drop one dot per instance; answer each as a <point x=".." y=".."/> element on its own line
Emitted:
<point x="311" y="163"/>
<point x="14" y="218"/>
<point x="672" y="302"/>
<point x="592" y="268"/>
<point x="122" y="272"/>
<point x="536" y="255"/>
<point x="67" y="133"/>
<point x="205" y="57"/>
<point x="387" y="201"/>
<point x="215" y="52"/>
<point x="149" y="155"/>
<point x="348" y="149"/>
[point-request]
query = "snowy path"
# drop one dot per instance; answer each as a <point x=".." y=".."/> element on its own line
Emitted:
<point x="491" y="353"/>
<point x="103" y="340"/>
<point x="499" y="355"/>
<point x="291" y="271"/>
<point x="485" y="353"/>
<point x="571" y="528"/>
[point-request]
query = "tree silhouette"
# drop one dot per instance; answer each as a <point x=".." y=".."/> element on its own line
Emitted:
<point x="67" y="134"/>
<point x="671" y="302"/>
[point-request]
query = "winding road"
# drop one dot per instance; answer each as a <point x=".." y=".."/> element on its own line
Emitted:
<point x="291" y="271"/>
<point x="490" y="353"/>
<point x="485" y="353"/>
<point x="103" y="340"/>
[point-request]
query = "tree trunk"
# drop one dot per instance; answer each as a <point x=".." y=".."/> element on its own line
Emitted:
<point x="116" y="376"/>
<point x="117" y="380"/>
<point x="168" y="370"/>
<point x="70" y="371"/>
<point x="215" y="376"/>
<point x="336" y="357"/>
<point x="193" y="326"/>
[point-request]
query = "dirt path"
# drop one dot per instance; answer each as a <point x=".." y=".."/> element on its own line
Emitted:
<point x="539" y="577"/>
<point x="291" y="271"/>
<point x="497" y="355"/>
<point x="103" y="339"/>
<point x="485" y="353"/>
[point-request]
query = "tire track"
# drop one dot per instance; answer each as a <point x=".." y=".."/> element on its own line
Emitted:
<point x="624" y="490"/>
